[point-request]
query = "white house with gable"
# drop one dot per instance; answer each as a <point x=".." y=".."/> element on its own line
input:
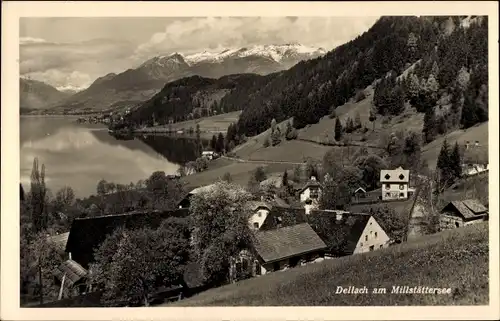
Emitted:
<point x="395" y="184"/>
<point x="310" y="194"/>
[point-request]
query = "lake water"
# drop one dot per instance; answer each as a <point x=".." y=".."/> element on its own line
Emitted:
<point x="79" y="155"/>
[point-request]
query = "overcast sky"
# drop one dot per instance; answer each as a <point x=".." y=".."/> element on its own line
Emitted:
<point x="73" y="52"/>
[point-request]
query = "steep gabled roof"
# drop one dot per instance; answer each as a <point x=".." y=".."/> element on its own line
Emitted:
<point x="74" y="272"/>
<point x="341" y="235"/>
<point x="310" y="184"/>
<point x="469" y="209"/>
<point x="87" y="234"/>
<point x="286" y="242"/>
<point x="285" y="216"/>
<point x="254" y="205"/>
<point x="60" y="240"/>
<point x="395" y="175"/>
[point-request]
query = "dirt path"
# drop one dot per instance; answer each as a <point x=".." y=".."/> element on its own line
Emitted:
<point x="260" y="161"/>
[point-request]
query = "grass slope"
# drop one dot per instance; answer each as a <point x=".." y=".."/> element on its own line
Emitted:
<point x="211" y="125"/>
<point x="457" y="259"/>
<point x="479" y="132"/>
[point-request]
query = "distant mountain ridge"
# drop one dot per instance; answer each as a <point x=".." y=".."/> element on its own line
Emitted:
<point x="133" y="86"/>
<point x="35" y="95"/>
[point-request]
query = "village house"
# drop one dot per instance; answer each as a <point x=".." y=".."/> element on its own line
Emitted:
<point x="72" y="279"/>
<point x="470" y="169"/>
<point x="278" y="250"/>
<point x="460" y="213"/>
<point x="186" y="200"/>
<point x="260" y="210"/>
<point x="310" y="194"/>
<point x="87" y="234"/>
<point x="395" y="184"/>
<point x="209" y="154"/>
<point x="348" y="233"/>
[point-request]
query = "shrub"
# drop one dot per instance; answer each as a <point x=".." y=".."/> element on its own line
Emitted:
<point x="266" y="143"/>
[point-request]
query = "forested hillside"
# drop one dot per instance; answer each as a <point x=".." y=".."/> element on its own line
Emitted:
<point x="193" y="97"/>
<point x="310" y="89"/>
<point x="438" y="65"/>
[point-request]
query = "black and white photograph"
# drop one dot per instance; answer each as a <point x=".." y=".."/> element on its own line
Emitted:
<point x="240" y="160"/>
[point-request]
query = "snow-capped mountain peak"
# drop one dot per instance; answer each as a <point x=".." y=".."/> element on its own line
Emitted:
<point x="274" y="52"/>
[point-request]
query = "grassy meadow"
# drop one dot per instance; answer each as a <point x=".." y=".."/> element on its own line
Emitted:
<point x="457" y="259"/>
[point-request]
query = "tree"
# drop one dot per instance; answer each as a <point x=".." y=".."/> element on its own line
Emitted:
<point x="334" y="196"/>
<point x="181" y="171"/>
<point x="164" y="192"/>
<point x="132" y="264"/>
<point x="463" y="79"/>
<point x="39" y="257"/>
<point x="370" y="166"/>
<point x="201" y="164"/>
<point x="443" y="166"/>
<point x="273" y="125"/>
<point x="338" y="129"/>
<point x="411" y="151"/>
<point x="275" y="137"/>
<point x="227" y="177"/>
<point x="213" y="142"/>
<point x="219" y="148"/>
<point x="65" y="197"/>
<point x="456" y="162"/>
<point x="297" y="173"/>
<point x="357" y="121"/>
<point x="102" y="187"/>
<point x="373" y="118"/>
<point x="38" y="194"/>
<point x="259" y="174"/>
<point x="284" y="179"/>
<point x="220" y="229"/>
<point x="311" y="169"/>
<point x="430" y="126"/>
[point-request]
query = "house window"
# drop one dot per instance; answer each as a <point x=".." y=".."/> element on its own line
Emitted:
<point x="366" y="238"/>
<point x="401" y="194"/>
<point x="387" y="176"/>
<point x="401" y="186"/>
<point x="381" y="246"/>
<point x="276" y="266"/>
<point x="401" y="177"/>
<point x="256" y="225"/>
<point x="387" y="186"/>
<point x="361" y="244"/>
<point x="314" y="193"/>
<point x="372" y="247"/>
<point x="388" y="194"/>
<point x="259" y="213"/>
<point x="375" y="234"/>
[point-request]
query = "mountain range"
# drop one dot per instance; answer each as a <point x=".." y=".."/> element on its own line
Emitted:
<point x="133" y="86"/>
<point x="444" y="50"/>
<point x="35" y="95"/>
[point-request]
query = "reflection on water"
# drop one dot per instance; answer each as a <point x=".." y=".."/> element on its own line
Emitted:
<point x="79" y="155"/>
